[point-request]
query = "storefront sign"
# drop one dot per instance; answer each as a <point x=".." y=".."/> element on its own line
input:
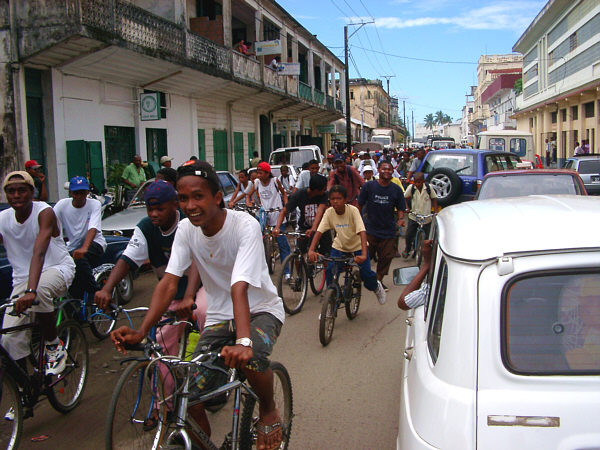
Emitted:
<point x="292" y="69"/>
<point x="288" y="125"/>
<point x="326" y="128"/>
<point x="150" y="106"/>
<point x="264" y="48"/>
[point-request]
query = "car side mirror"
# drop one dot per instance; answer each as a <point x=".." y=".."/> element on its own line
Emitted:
<point x="405" y="275"/>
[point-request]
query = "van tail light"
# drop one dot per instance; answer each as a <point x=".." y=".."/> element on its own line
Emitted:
<point x="478" y="185"/>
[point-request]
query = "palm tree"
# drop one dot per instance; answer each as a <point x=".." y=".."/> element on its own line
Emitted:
<point x="429" y="121"/>
<point x="439" y="118"/>
<point x="447" y="118"/>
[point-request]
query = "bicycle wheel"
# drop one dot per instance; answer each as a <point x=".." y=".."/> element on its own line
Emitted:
<point x="268" y="244"/>
<point x="419" y="246"/>
<point x="101" y="323"/>
<point x="125" y="289"/>
<point x="316" y="277"/>
<point x="293" y="290"/>
<point x="327" y="317"/>
<point x="282" y="393"/>
<point x="352" y="297"/>
<point x="133" y="401"/>
<point x="64" y="390"/>
<point x="11" y="422"/>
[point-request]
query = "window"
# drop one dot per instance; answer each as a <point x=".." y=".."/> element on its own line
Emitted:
<point x="494" y="163"/>
<point x="589" y="166"/>
<point x="163" y="102"/>
<point x="589" y="109"/>
<point x="550" y="324"/>
<point x="554" y="116"/>
<point x="352" y="95"/>
<point x="572" y="42"/>
<point x="531" y="123"/>
<point x="434" y="335"/>
<point x="462" y="164"/>
<point x="368" y="94"/>
<point x="575" y="112"/>
<point x="497" y="144"/>
<point x="518" y="146"/>
<point x="563" y="114"/>
<point x="227" y="183"/>
<point x="270" y="30"/>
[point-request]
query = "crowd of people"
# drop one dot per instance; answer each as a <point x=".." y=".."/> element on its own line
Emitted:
<point x="204" y="254"/>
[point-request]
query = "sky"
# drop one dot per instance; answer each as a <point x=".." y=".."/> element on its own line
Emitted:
<point x="450" y="34"/>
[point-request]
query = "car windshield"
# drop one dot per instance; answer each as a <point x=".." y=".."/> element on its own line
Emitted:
<point x="590" y="166"/>
<point x="293" y="156"/>
<point x="460" y="163"/>
<point x="551" y="324"/>
<point x="138" y="200"/>
<point x="385" y="140"/>
<point x="226" y="183"/>
<point x="497" y="162"/>
<point x="521" y="185"/>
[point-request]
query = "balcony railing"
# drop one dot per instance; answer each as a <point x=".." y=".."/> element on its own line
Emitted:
<point x="319" y="97"/>
<point x="338" y="106"/>
<point x="305" y="91"/>
<point x="246" y="68"/>
<point x="273" y="80"/>
<point x="292" y="86"/>
<point x="329" y="102"/>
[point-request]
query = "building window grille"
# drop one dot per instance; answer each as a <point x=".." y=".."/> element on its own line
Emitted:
<point x="553" y="116"/>
<point x="575" y="112"/>
<point x="572" y="42"/>
<point x="563" y="114"/>
<point x="589" y="109"/>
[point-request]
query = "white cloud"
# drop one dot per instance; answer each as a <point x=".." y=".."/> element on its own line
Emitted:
<point x="511" y="15"/>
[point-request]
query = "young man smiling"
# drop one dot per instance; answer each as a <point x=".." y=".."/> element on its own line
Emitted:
<point x="245" y="314"/>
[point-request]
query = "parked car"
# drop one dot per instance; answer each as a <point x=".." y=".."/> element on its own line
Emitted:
<point x="457" y="174"/>
<point x="123" y="222"/>
<point x="518" y="183"/>
<point x="588" y="167"/>
<point x="505" y="352"/>
<point x="296" y="156"/>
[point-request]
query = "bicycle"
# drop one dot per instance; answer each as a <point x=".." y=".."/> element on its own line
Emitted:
<point x="420" y="236"/>
<point x="294" y="288"/>
<point x="141" y="386"/>
<point x="20" y="391"/>
<point x="336" y="296"/>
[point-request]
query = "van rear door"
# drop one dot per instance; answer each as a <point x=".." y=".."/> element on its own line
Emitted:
<point x="538" y="363"/>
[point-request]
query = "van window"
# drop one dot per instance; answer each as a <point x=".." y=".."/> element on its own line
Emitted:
<point x="570" y="164"/>
<point x="518" y="146"/>
<point x="551" y="324"/>
<point x="497" y="144"/>
<point x="497" y="162"/>
<point x="589" y="166"/>
<point x="227" y="183"/>
<point x="463" y="164"/>
<point x="437" y="314"/>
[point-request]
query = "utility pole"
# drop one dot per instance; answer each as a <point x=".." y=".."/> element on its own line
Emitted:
<point x="387" y="77"/>
<point x="347" y="78"/>
<point x="412" y="114"/>
<point x="404" y="114"/>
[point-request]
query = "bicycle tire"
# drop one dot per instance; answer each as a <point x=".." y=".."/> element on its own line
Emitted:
<point x="101" y="323"/>
<point x="352" y="297"/>
<point x="268" y="244"/>
<point x="10" y="403"/>
<point x="131" y="403"/>
<point x="65" y="390"/>
<point x="317" y="277"/>
<point x="419" y="238"/>
<point x="293" y="291"/>
<point x="327" y="317"/>
<point x="124" y="289"/>
<point x="284" y="399"/>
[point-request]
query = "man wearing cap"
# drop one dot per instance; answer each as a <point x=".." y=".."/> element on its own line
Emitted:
<point x="367" y="172"/>
<point x="133" y="176"/>
<point x="347" y="176"/>
<point x="41" y="268"/>
<point x="33" y="168"/>
<point x="165" y="161"/>
<point x="326" y="165"/>
<point x="80" y="218"/>
<point x="366" y="159"/>
<point x="304" y="177"/>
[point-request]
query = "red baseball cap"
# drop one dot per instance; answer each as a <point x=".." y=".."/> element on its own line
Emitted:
<point x="32" y="164"/>
<point x="265" y="167"/>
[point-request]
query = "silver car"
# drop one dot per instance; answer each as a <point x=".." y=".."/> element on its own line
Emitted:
<point x="588" y="167"/>
<point x="123" y="222"/>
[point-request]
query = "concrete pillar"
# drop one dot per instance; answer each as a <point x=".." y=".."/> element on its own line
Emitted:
<point x="227" y="33"/>
<point x="323" y="79"/>
<point x="332" y="84"/>
<point x="294" y="48"/>
<point x="257" y="26"/>
<point x="311" y="68"/>
<point x="283" y="37"/>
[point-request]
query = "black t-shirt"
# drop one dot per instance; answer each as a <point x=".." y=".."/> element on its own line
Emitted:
<point x="379" y="208"/>
<point x="308" y="206"/>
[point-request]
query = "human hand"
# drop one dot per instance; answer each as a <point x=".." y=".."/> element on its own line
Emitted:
<point x="236" y="356"/>
<point x="41" y="176"/>
<point x="309" y="233"/>
<point x="79" y="253"/>
<point x="401" y="223"/>
<point x="24" y="302"/>
<point x="103" y="298"/>
<point x="230" y="204"/>
<point x="184" y="308"/>
<point x="426" y="251"/>
<point x="125" y="335"/>
<point x="276" y="231"/>
<point x="359" y="259"/>
<point x="313" y="256"/>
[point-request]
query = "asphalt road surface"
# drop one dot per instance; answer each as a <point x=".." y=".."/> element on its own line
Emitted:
<point x="346" y="395"/>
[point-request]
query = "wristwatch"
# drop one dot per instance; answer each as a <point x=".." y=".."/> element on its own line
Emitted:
<point x="30" y="291"/>
<point x="246" y="342"/>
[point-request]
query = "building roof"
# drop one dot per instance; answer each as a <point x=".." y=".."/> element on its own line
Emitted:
<point x="504" y="81"/>
<point x="540" y="25"/>
<point x="486" y="229"/>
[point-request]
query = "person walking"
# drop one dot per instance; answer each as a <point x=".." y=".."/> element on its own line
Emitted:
<point x="133" y="177"/>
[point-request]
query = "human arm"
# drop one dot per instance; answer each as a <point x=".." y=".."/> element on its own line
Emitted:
<point x="43" y="188"/>
<point x="87" y="241"/>
<point x="233" y="196"/>
<point x="320" y="211"/>
<point x="48" y="225"/>
<point x="103" y="297"/>
<point x="184" y="308"/>
<point x="125" y="175"/>
<point x="418" y="279"/>
<point x="281" y="190"/>
<point x="280" y="218"/>
<point x="238" y="355"/>
<point x="359" y="259"/>
<point x="312" y="255"/>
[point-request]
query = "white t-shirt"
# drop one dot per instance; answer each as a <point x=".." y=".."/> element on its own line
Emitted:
<point x="19" y="239"/>
<point x="248" y="189"/>
<point x="303" y="179"/>
<point x="76" y="222"/>
<point x="368" y="162"/>
<point x="234" y="254"/>
<point x="269" y="198"/>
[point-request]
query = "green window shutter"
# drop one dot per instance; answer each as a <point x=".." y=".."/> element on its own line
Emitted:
<point x="238" y="150"/>
<point x="220" y="149"/>
<point x="76" y="159"/>
<point x="96" y="166"/>
<point x="251" y="145"/>
<point x="201" y="145"/>
<point x="156" y="143"/>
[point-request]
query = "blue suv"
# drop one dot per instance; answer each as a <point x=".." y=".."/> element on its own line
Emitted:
<point x="457" y="174"/>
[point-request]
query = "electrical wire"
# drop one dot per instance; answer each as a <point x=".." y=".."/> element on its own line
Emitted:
<point x="421" y="59"/>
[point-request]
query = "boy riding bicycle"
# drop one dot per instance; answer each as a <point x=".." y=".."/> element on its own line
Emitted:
<point x="245" y="314"/>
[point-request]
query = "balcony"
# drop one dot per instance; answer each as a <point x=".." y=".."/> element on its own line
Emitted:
<point x="329" y="102"/>
<point x="305" y="91"/>
<point x="338" y="106"/>
<point x="273" y="80"/>
<point x="319" y="97"/>
<point x="246" y="68"/>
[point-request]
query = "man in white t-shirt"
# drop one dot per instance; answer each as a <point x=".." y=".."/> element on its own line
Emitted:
<point x="245" y="314"/>
<point x="41" y="269"/>
<point x="80" y="218"/>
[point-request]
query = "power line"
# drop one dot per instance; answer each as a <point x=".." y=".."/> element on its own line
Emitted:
<point x="378" y="35"/>
<point x="420" y="59"/>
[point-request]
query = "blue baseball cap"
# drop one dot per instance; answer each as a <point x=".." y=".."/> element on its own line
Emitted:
<point x="339" y="157"/>
<point x="159" y="192"/>
<point x="79" y="184"/>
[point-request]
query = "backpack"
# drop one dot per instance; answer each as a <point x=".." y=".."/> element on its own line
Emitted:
<point x="412" y="187"/>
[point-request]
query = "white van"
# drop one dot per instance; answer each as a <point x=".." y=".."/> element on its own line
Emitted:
<point x="505" y="353"/>
<point x="296" y="156"/>
<point x="514" y="141"/>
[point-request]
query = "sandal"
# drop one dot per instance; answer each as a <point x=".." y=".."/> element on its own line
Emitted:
<point x="267" y="431"/>
<point x="150" y="423"/>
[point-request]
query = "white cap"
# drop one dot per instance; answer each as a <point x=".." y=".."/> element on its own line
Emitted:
<point x="164" y="159"/>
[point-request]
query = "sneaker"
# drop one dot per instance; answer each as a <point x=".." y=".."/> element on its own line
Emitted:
<point x="385" y="288"/>
<point x="287" y="277"/>
<point x="56" y="358"/>
<point x="380" y="293"/>
<point x="10" y="414"/>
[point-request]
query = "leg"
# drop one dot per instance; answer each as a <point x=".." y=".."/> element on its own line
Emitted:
<point x="368" y="276"/>
<point x="387" y="250"/>
<point x="284" y="247"/>
<point x="332" y="267"/>
<point x="84" y="280"/>
<point x="373" y="247"/>
<point x="411" y="231"/>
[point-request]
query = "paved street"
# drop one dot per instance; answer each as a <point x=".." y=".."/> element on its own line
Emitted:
<point x="345" y="395"/>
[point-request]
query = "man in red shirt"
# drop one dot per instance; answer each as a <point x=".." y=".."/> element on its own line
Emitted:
<point x="347" y="176"/>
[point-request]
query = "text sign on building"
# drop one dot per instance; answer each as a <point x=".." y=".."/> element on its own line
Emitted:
<point x="150" y="106"/>
<point x="326" y="128"/>
<point x="292" y="69"/>
<point x="288" y="125"/>
<point x="264" y="48"/>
